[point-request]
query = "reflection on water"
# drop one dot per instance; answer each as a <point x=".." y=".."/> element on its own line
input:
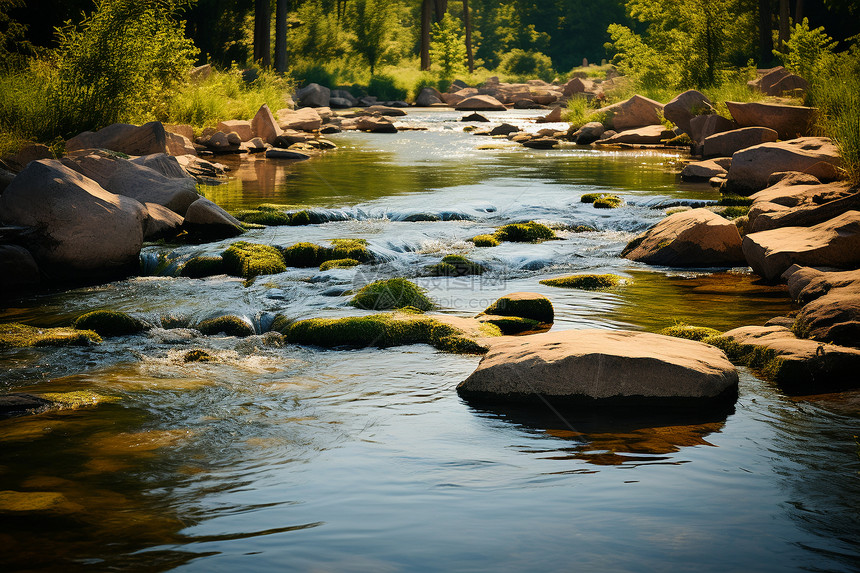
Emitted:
<point x="274" y="457"/>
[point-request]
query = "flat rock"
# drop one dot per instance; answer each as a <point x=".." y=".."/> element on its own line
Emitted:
<point x="789" y="121"/>
<point x="752" y="167"/>
<point x="648" y="135"/>
<point x="20" y="403"/>
<point x="806" y="284"/>
<point x="480" y="103"/>
<point x="637" y="111"/>
<point x="684" y="107"/>
<point x="386" y="111"/>
<point x="702" y="171"/>
<point x="277" y="153"/>
<point x="833" y="317"/>
<point x="602" y="366"/>
<point x="703" y="126"/>
<point x="541" y="143"/>
<point x="129" y="139"/>
<point x="241" y="127"/>
<point x="834" y="243"/>
<point x="304" y="119"/>
<point x="725" y="144"/>
<point x="694" y="238"/>
<point x="808" y="214"/>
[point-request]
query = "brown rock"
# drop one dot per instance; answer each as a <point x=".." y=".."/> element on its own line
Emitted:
<point x="588" y="133"/>
<point x="264" y="125"/>
<point x="552" y="117"/>
<point x="701" y="171"/>
<point x="648" y="135"/>
<point x="541" y="143"/>
<point x="18" y="269"/>
<point x="205" y="218"/>
<point x="806" y="215"/>
<point x="684" y="107"/>
<point x="833" y="317"/>
<point x="386" y="111"/>
<point x="703" y="126"/>
<point x="304" y="119"/>
<point x="480" y="103"/>
<point x="181" y="129"/>
<point x="428" y="96"/>
<point x="727" y="143"/>
<point x="125" y="138"/>
<point x="160" y="223"/>
<point x="635" y="112"/>
<point x="375" y="124"/>
<point x="32" y="152"/>
<point x="789" y="121"/>
<point x="504" y="129"/>
<point x="577" y="86"/>
<point x="806" y="284"/>
<point x="179" y="145"/>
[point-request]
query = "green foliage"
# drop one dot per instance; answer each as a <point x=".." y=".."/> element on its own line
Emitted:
<point x="386" y="88"/>
<point x="806" y="49"/>
<point x="230" y="325"/>
<point x="108" y="323"/>
<point x="391" y="293"/>
<point x="17" y="335"/>
<point x="248" y="260"/>
<point x="339" y="264"/>
<point x="485" y="241"/>
<point x="201" y="267"/>
<point x="14" y="47"/>
<point x="371" y="23"/>
<point x="447" y="46"/>
<point x="585" y="282"/>
<point x="527" y="65"/>
<point x="530" y="232"/>
<point x="538" y="308"/>
<point x="735" y="211"/>
<point x="683" y="330"/>
<point x="455" y="266"/>
<point x="579" y="112"/>
<point x="311" y="255"/>
<point x="734" y="201"/>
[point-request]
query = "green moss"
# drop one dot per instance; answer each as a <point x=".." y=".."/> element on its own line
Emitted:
<point x="535" y="307"/>
<point x="391" y="293"/>
<point x="349" y="249"/>
<point x="764" y="361"/>
<point x="530" y="232"/>
<point x="17" y="335"/>
<point x="735" y="211"/>
<point x="201" y="267"/>
<point x="248" y="260"/>
<point x="230" y="325"/>
<point x="608" y="202"/>
<point x="455" y="266"/>
<point x="734" y="201"/>
<point x="585" y="282"/>
<point x="339" y="264"/>
<point x="264" y="217"/>
<point x="591" y="197"/>
<point x="169" y="321"/>
<point x="108" y="323"/>
<point x="300" y="218"/>
<point x="197" y="355"/>
<point x="513" y="324"/>
<point x="311" y="255"/>
<point x="459" y="345"/>
<point x="281" y="324"/>
<point x="485" y="241"/>
<point x="304" y="255"/>
<point x="78" y="398"/>
<point x="582" y="229"/>
<point x="682" y="330"/>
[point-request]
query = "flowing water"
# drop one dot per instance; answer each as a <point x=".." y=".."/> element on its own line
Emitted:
<point x="295" y="458"/>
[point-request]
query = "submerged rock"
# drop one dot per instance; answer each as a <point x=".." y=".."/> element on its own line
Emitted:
<point x="529" y="305"/>
<point x="109" y="323"/>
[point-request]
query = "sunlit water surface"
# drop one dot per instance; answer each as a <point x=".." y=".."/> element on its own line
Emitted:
<point x="291" y="458"/>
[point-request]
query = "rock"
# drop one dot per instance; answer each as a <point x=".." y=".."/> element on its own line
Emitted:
<point x="703" y="126"/>
<point x="264" y="125"/>
<point x="767" y="78"/>
<point x="790" y="83"/>
<point x="777" y="81"/>
<point x="19" y="404"/>
<point x="184" y="130"/>
<point x="806" y="284"/>
<point x="123" y="177"/>
<point x="313" y="95"/>
<point x="277" y="153"/>
<point x="806" y="215"/>
<point x="129" y="139"/>
<point x="474" y="117"/>
<point x="343" y="95"/>
<point x="160" y="223"/>
<point x="635" y="112"/>
<point x="789" y="121"/>
<point x="552" y="117"/>
<point x="386" y="111"/>
<point x="541" y="143"/>
<point x="375" y="124"/>
<point x="241" y="127"/>
<point x="834" y="243"/>
<point x="200" y="169"/>
<point x="796" y="364"/>
<point x="834" y="317"/>
<point x="684" y="107"/>
<point x="304" y="119"/>
<point x="200" y="73"/>
<point x="165" y="164"/>
<point x="528" y="104"/>
<point x="205" y="218"/>
<point x="752" y="167"/>
<point x="83" y="230"/>
<point x="577" y="86"/>
<point x="337" y="103"/>
<point x="291" y="136"/>
<point x="602" y="367"/>
<point x="180" y="145"/>
<point x="725" y="144"/>
<point x="234" y="139"/>
<point x="648" y="135"/>
<point x="32" y="152"/>
<point x="504" y="129"/>
<point x="701" y="171"/>
<point x="18" y="269"/>
<point x="428" y="96"/>
<point x="529" y="305"/>
<point x="588" y="133"/>
<point x="695" y="238"/>
<point x="480" y="103"/>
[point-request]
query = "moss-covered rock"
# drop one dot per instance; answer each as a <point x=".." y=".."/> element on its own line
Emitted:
<point x="455" y="266"/>
<point x="281" y="324"/>
<point x="734" y="201"/>
<point x="512" y="324"/>
<point x="339" y="264"/>
<point x="304" y="255"/>
<point x="248" y="260"/>
<point x="350" y="249"/>
<point x="201" y="267"/>
<point x="389" y="294"/>
<point x="300" y="218"/>
<point x="591" y="197"/>
<point x="229" y="324"/>
<point x="682" y="330"/>
<point x="197" y="355"/>
<point x="530" y="232"/>
<point x="485" y="241"/>
<point x="310" y="255"/>
<point x="273" y="215"/>
<point x="524" y="305"/>
<point x="17" y="335"/>
<point x="585" y="282"/>
<point x="109" y="323"/>
<point x="608" y="202"/>
<point x="78" y="398"/>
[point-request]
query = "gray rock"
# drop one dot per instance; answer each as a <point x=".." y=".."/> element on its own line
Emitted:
<point x="313" y="95"/>
<point x="205" y="218"/>
<point x="129" y="139"/>
<point x="18" y="269"/>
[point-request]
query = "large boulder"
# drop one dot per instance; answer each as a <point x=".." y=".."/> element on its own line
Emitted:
<point x="178" y="144"/>
<point x="313" y="95"/>
<point x="206" y="219"/>
<point x="375" y="124"/>
<point x="702" y="170"/>
<point x="807" y="214"/>
<point x="695" y="238"/>
<point x="165" y="164"/>
<point x="123" y="177"/>
<point x="806" y="284"/>
<point x="588" y="133"/>
<point x="725" y="144"/>
<point x="160" y="222"/>
<point x="129" y="139"/>
<point x="834" y="243"/>
<point x="18" y="269"/>
<point x="789" y="121"/>
<point x="304" y="119"/>
<point x="241" y="127"/>
<point x="648" y="135"/>
<point x="637" y="111"/>
<point x="264" y="125"/>
<point x="591" y="367"/>
<point x="385" y="111"/>
<point x="428" y="96"/>
<point x="552" y="117"/>
<point x="82" y="230"/>
<point x="577" y="86"/>
<point x="480" y="103"/>
<point x="833" y="317"/>
<point x="703" y="126"/>
<point x="752" y="167"/>
<point x="684" y="107"/>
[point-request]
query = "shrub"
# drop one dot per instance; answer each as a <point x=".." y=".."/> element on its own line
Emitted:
<point x="585" y="282"/>
<point x="806" y="49"/>
<point x="527" y="65"/>
<point x="108" y="323"/>
<point x="455" y="266"/>
<point x="385" y="88"/>
<point x="391" y="293"/>
<point x="447" y="47"/>
<point x="248" y="260"/>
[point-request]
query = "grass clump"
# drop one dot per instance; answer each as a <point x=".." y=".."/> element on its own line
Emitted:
<point x="485" y="241"/>
<point x="734" y="201"/>
<point x="608" y="202"/>
<point x="229" y="324"/>
<point x="108" y="323"/>
<point x="523" y="305"/>
<point x="248" y="260"/>
<point x="17" y="335"/>
<point x="683" y="330"/>
<point x="530" y="232"/>
<point x="391" y="293"/>
<point x="585" y="282"/>
<point x="201" y="267"/>
<point x="735" y="211"/>
<point x="455" y="266"/>
<point x="339" y="264"/>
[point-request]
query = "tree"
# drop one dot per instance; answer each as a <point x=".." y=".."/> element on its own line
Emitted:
<point x="262" y="33"/>
<point x="281" y="10"/>
<point x="432" y="11"/>
<point x="447" y="47"/>
<point x="467" y="22"/>
<point x="372" y="26"/>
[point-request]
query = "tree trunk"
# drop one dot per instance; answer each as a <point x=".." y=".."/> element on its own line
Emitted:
<point x="784" y="24"/>
<point x="281" y="9"/>
<point x="798" y="12"/>
<point x="467" y="22"/>
<point x="765" y="33"/>
<point x="441" y="7"/>
<point x="262" y="40"/>
<point x="426" y="14"/>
